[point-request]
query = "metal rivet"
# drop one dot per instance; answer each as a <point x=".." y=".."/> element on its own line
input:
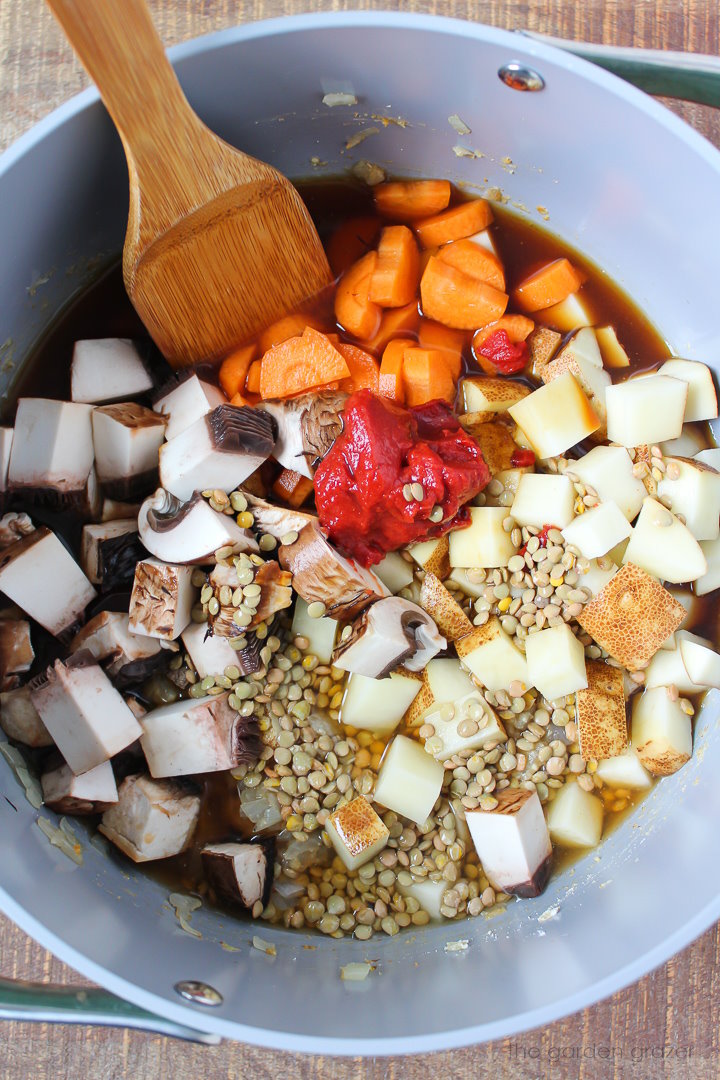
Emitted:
<point x="519" y="77"/>
<point x="198" y="992"/>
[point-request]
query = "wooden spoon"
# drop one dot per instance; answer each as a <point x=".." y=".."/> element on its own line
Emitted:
<point x="218" y="244"/>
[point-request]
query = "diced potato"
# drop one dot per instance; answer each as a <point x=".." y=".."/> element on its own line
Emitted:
<point x="661" y="732"/>
<point x="357" y="832"/>
<point x="598" y="530"/>
<point x="494" y="437"/>
<point x="467" y="724"/>
<point x="321" y="633"/>
<point x="378" y="704"/>
<point x="584" y="345"/>
<point x="490" y="654"/>
<point x="409" y="780"/>
<point x="510" y="478"/>
<point x="592" y="378"/>
<point x="448" y="681"/>
<point x="597" y="575"/>
<point x="609" y="471"/>
<point x="693" y="490"/>
<point x="460" y="580"/>
<point x="556" y="662"/>
<point x="575" y="817"/>
<point x="395" y="572"/>
<point x="710" y="457"/>
<point x="484" y="239"/>
<point x="483" y="394"/>
<point x="600" y="713"/>
<point x="542" y="345"/>
<point x="428" y="894"/>
<point x="544" y="499"/>
<point x="645" y="410"/>
<point x="413" y="718"/>
<point x="484" y="543"/>
<point x="556" y="416"/>
<point x="613" y="354"/>
<point x="667" y="668"/>
<point x="701" y="662"/>
<point x="433" y="556"/>
<point x="689" y="442"/>
<point x="701" y="401"/>
<point x="443" y="609"/>
<point x="624" y="771"/>
<point x="570" y="314"/>
<point x="663" y="546"/>
<point x="711" y="578"/>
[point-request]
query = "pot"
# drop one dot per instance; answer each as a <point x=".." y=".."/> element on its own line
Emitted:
<point x="630" y="185"/>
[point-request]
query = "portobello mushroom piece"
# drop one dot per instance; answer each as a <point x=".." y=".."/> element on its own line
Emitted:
<point x="200" y="735"/>
<point x="13" y="527"/>
<point x="307" y="427"/>
<point x="21" y="721"/>
<point x="91" y="792"/>
<point x="6" y="440"/>
<point x="185" y="398"/>
<point x="161" y="600"/>
<point x="16" y="651"/>
<point x="218" y="451"/>
<point x="241" y="873"/>
<point x="391" y="632"/>
<point x="188" y="532"/>
<point x="127" y="438"/>
<point x="107" y="369"/>
<point x="321" y="574"/>
<point x="513" y="842"/>
<point x="113" y="509"/>
<point x="39" y="575"/>
<point x="211" y="652"/>
<point x="152" y="819"/>
<point x="108" y="639"/>
<point x="276" y="521"/>
<point x="93" y="540"/>
<point x="275" y="595"/>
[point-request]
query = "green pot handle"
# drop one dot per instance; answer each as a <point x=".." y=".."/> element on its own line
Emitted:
<point x="690" y="76"/>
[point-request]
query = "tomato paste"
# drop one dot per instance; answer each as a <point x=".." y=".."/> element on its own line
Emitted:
<point x="395" y="476"/>
<point x="506" y="356"/>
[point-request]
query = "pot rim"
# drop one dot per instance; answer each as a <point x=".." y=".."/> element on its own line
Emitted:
<point x="686" y="933"/>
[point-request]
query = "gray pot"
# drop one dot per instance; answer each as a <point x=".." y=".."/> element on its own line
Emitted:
<point x="630" y="185"/>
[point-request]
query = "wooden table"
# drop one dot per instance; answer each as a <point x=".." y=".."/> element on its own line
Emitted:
<point x="665" y="1025"/>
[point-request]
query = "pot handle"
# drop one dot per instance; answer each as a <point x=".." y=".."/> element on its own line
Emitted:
<point x="21" y="1000"/>
<point x="690" y="76"/>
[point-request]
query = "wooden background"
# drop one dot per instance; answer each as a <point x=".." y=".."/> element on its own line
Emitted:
<point x="664" y="1026"/>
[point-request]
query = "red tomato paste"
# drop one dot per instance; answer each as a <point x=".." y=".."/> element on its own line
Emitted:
<point x="506" y="356"/>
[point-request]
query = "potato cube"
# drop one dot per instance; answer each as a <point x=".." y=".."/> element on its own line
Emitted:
<point x="701" y="661"/>
<point x="710" y="457"/>
<point x="624" y="771"/>
<point x="645" y="410"/>
<point x="690" y="442"/>
<point x="467" y="724"/>
<point x="512" y="842"/>
<point x="510" y="478"/>
<point x="711" y="578"/>
<point x="459" y="580"/>
<point x="663" y="546"/>
<point x="494" y="438"/>
<point x="693" y="490"/>
<point x="585" y="346"/>
<point x="448" y="616"/>
<point x="701" y="401"/>
<point x="575" y="817"/>
<point x="612" y="353"/>
<point x="320" y="633"/>
<point x="544" y="499"/>
<point x="598" y="530"/>
<point x="490" y="654"/>
<point x="428" y="894"/>
<point x="570" y="314"/>
<point x="609" y="471"/>
<point x="592" y="377"/>
<point x="486" y="395"/>
<point x="484" y="543"/>
<point x="597" y="575"/>
<point x="632" y="616"/>
<point x="447" y="679"/>
<point x="378" y="704"/>
<point x="433" y="556"/>
<point x="600" y="713"/>
<point x="668" y="669"/>
<point x="153" y="819"/>
<point x="556" y="662"/>
<point x="661" y="732"/>
<point x="357" y="832"/>
<point x="409" y="780"/>
<point x="556" y="416"/>
<point x="395" y="573"/>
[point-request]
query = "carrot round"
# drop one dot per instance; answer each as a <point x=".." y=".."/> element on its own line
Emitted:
<point x="474" y="260"/>
<point x="406" y="200"/>
<point x="287" y="327"/>
<point x="433" y="335"/>
<point x="354" y="310"/>
<point x="364" y="372"/>
<point x="461" y="221"/>
<point x="517" y="327"/>
<point x="300" y="364"/>
<point x="252" y="382"/>
<point x="234" y="369"/>
<point x="395" y="279"/>
<point x="455" y="299"/>
<point x="427" y="377"/>
<point x="350" y="241"/>
<point x="292" y="488"/>
<point x="392" y="383"/>
<point x="549" y="285"/>
<point x="394" y="321"/>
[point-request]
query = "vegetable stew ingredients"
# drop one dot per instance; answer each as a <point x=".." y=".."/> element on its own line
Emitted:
<point x="455" y="224"/>
<point x="397" y="270"/>
<point x="354" y="310"/>
<point x="455" y="299"/>
<point x="299" y="364"/>
<point x="547" y="286"/>
<point x="409" y="200"/>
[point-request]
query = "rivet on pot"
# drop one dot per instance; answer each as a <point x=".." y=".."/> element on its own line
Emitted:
<point x="519" y="77"/>
<point x="198" y="992"/>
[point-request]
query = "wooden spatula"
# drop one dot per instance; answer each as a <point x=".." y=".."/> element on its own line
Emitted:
<point x="218" y="244"/>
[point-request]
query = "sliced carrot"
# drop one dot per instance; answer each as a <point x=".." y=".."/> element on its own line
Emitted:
<point x="475" y="260"/>
<point x="461" y="221"/>
<point x="350" y="241"/>
<point x="406" y="200"/>
<point x="234" y="369"/>
<point x="397" y="272"/>
<point x="394" y="321"/>
<point x="364" y="371"/>
<point x="292" y="488"/>
<point x="252" y="382"/>
<point x="549" y="285"/>
<point x="455" y="299"/>
<point x="427" y="377"/>
<point x="244" y="399"/>
<point x="517" y="328"/>
<point x="392" y="383"/>
<point x="354" y="310"/>
<point x="289" y="326"/>
<point x="300" y="364"/>
<point x="433" y="335"/>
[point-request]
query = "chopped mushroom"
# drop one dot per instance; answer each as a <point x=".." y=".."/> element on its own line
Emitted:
<point x="52" y="454"/>
<point x="16" y="651"/>
<point x="13" y="527"/>
<point x="211" y="653"/>
<point x="112" y="509"/>
<point x="241" y="873"/>
<point x="218" y="451"/>
<point x="307" y="426"/>
<point x="188" y="532"/>
<point x="107" y="637"/>
<point x="321" y="574"/>
<point x="107" y="369"/>
<point x="21" y="721"/>
<point x="152" y="819"/>
<point x="161" y="600"/>
<point x="276" y="521"/>
<point x="275" y="595"/>
<point x="91" y="792"/>
<point x="6" y="440"/>
<point x="127" y="438"/>
<point x="512" y="842"/>
<point x="391" y="632"/>
<point x="184" y="399"/>
<point x="93" y="540"/>
<point x="39" y="575"/>
<point x="199" y="736"/>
